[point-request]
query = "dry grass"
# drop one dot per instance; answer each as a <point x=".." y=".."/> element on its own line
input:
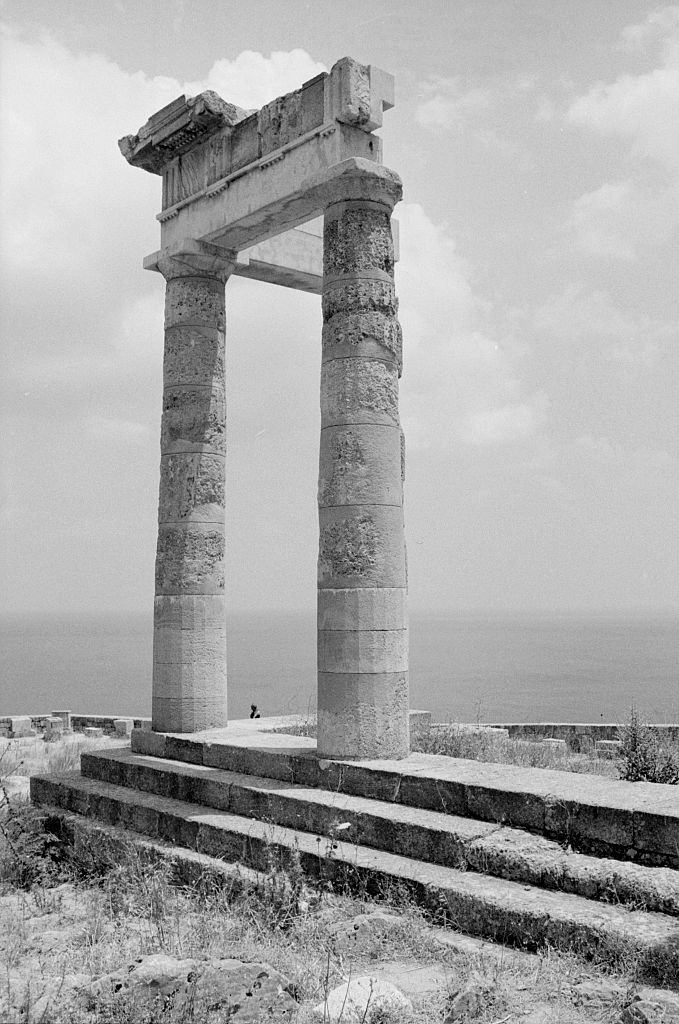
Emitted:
<point x="93" y="926"/>
<point x="484" y="744"/>
<point x="33" y="755"/>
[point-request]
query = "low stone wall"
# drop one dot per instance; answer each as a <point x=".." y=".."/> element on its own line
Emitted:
<point x="40" y="723"/>
<point x="574" y="732"/>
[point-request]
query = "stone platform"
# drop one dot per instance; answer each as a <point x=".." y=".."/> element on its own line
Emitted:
<point x="524" y="856"/>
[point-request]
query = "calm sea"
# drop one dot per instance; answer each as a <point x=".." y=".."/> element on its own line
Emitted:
<point x="463" y="667"/>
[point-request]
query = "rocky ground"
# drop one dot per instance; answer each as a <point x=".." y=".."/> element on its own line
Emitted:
<point x="128" y="946"/>
<point x="81" y="946"/>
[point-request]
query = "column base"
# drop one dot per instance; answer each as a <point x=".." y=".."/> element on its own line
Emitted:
<point x="363" y="716"/>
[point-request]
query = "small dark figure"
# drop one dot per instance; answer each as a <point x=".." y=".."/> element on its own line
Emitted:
<point x="254" y="713"/>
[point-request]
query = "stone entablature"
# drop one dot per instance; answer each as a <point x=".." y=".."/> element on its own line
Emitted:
<point x="202" y="141"/>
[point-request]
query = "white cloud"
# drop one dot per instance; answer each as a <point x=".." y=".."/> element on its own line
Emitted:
<point x="459" y="383"/>
<point x="251" y="79"/>
<point x="641" y="110"/>
<point x="447" y="105"/>
<point x="507" y="423"/>
<point x="598" y="220"/>
<point x="579" y="314"/>
<point x="76" y="219"/>
<point x="658" y="25"/>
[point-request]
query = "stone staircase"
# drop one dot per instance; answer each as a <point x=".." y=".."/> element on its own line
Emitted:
<point x="527" y="857"/>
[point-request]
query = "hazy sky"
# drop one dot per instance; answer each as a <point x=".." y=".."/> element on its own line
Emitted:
<point x="538" y="141"/>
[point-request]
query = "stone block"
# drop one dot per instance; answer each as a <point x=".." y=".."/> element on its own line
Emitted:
<point x="245" y="142"/>
<point x="367" y="334"/>
<point x="361" y="546"/>
<point x="656" y="837"/>
<point x="360" y="464"/>
<point x="123" y="726"/>
<point x="189" y="611"/>
<point x="190" y="558"/>
<point x="358" y="389"/>
<point x="21" y="725"/>
<point x="343" y="296"/>
<point x="363" y="608"/>
<point x="509" y="807"/>
<point x="194" y="419"/>
<point x="182" y="749"/>
<point x="65" y="716"/>
<point x="363" y="650"/>
<point x="192" y="488"/>
<point x="54" y="727"/>
<point x="590" y="826"/>
<point x="92" y="732"/>
<point x="201" y="649"/>
<point x="191" y="713"/>
<point x="363" y="715"/>
<point x="206" y="346"/>
<point x="357" y="237"/>
<point x="194" y="301"/>
<point x="558" y="746"/>
<point x="148" y="742"/>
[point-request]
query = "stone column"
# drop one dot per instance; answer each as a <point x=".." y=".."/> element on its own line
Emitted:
<point x="363" y="704"/>
<point x="189" y="639"/>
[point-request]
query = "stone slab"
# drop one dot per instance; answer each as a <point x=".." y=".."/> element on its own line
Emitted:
<point x="607" y="816"/>
<point x="430" y="836"/>
<point x="21" y="725"/>
<point x="478" y="904"/>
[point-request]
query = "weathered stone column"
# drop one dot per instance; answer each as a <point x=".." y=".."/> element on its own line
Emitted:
<point x="363" y="701"/>
<point x="189" y="639"/>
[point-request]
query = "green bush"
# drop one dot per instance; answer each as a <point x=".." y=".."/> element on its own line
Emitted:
<point x="642" y="759"/>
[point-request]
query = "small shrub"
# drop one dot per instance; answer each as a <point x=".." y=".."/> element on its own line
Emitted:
<point x="27" y="850"/>
<point x="642" y="759"/>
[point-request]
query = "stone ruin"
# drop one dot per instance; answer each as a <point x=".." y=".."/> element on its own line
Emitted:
<point x="242" y="191"/>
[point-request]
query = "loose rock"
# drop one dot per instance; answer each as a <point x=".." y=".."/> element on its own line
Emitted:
<point x="469" y="1001"/>
<point x="245" y="991"/>
<point x="361" y="1001"/>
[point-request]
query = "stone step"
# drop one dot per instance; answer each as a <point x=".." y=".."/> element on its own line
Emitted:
<point x="592" y="814"/>
<point x="496" y="908"/>
<point x="431" y="836"/>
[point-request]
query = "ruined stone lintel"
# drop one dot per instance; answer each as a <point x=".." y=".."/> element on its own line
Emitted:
<point x="189" y="643"/>
<point x="362" y="640"/>
<point x="228" y="138"/>
<point x="177" y="128"/>
<point x="282" y="196"/>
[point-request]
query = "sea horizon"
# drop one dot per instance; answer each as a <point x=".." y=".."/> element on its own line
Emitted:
<point x="466" y="664"/>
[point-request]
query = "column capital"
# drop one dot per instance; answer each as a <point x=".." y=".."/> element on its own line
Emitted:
<point x="191" y="258"/>
<point x="358" y="180"/>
